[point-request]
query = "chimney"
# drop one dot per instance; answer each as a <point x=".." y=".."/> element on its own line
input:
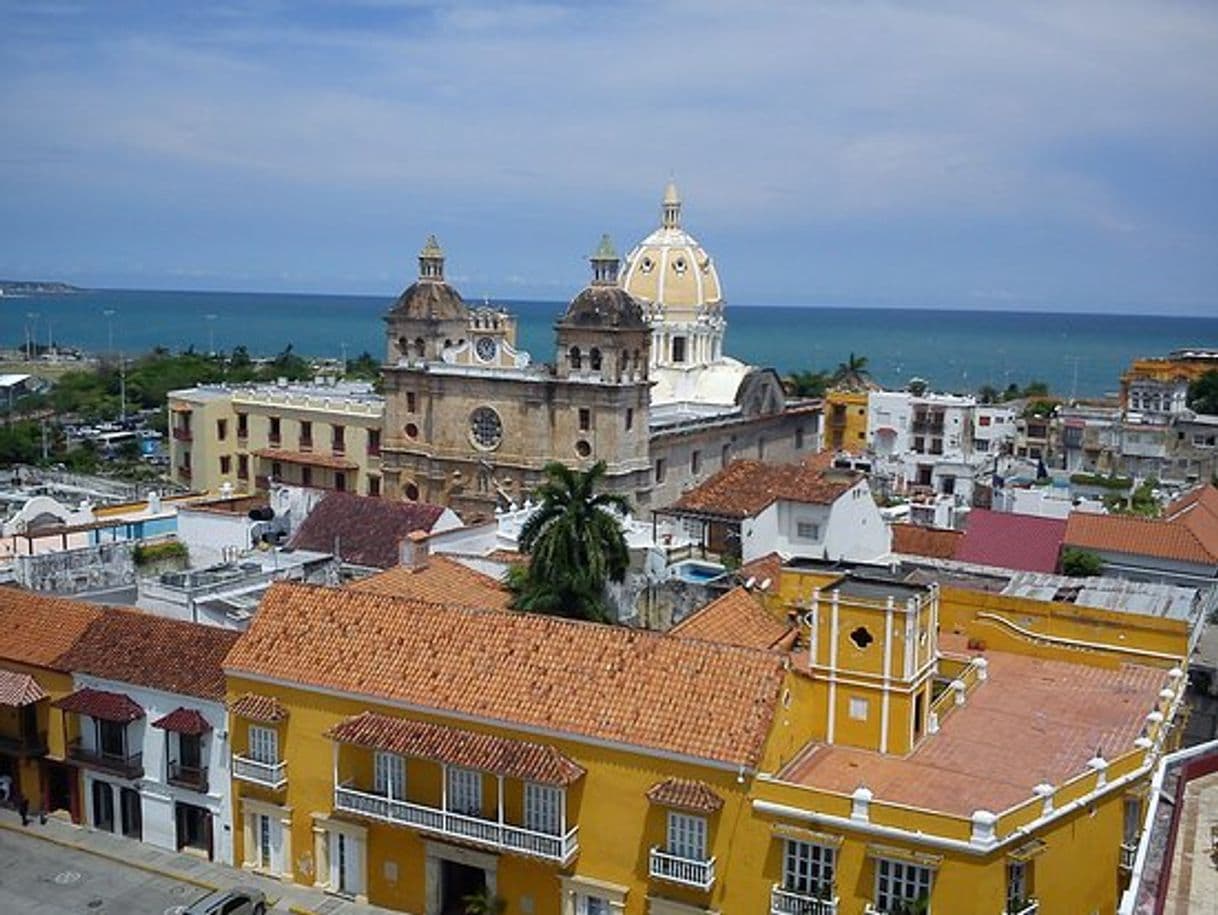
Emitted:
<point x="413" y="551"/>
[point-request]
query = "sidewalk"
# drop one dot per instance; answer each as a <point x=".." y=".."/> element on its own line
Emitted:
<point x="283" y="897"/>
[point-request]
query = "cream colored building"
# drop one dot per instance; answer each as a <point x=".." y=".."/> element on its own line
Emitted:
<point x="320" y="435"/>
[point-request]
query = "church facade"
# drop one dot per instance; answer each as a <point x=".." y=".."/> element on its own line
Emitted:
<point x="639" y="380"/>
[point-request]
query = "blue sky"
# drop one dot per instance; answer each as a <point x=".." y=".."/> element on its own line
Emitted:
<point x="982" y="155"/>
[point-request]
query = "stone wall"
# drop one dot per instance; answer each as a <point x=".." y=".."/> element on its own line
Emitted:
<point x="92" y="568"/>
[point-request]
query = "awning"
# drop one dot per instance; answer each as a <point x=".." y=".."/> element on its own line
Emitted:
<point x="1027" y="850"/>
<point x="105" y="706"/>
<point x="17" y="690"/>
<point x="183" y="721"/>
<point x="306" y="457"/>
<point x="904" y="854"/>
<point x="685" y="794"/>
<point x="253" y="707"/>
<point x="486" y="752"/>
<point x="788" y="831"/>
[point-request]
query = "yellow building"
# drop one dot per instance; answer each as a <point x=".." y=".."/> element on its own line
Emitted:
<point x="320" y="435"/>
<point x="843" y="744"/>
<point x="1160" y="385"/>
<point x="846" y="420"/>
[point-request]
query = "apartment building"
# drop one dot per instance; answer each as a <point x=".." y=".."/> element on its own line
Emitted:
<point x="321" y="435"/>
<point x="845" y="418"/>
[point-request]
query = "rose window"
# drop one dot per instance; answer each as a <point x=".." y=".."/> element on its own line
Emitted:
<point x="485" y="428"/>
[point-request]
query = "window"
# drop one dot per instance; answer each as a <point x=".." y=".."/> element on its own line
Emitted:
<point x="226" y="464"/>
<point x="389" y="775"/>
<point x="576" y="358"/>
<point x="983" y="420"/>
<point x="591" y="905"/>
<point x="629" y="418"/>
<point x="485" y="428"/>
<point x="808" y="868"/>
<point x="799" y="437"/>
<point x="543" y="808"/>
<point x="678" y="349"/>
<point x="276" y="470"/>
<point x="374" y="486"/>
<point x="112" y="738"/>
<point x="861" y="637"/>
<point x="594" y="359"/>
<point x="585" y="419"/>
<point x="274" y="432"/>
<point x="264" y="744"/>
<point x="1133" y="820"/>
<point x="374" y="441"/>
<point x="725" y="455"/>
<point x="807" y="530"/>
<point x="659" y="470"/>
<point x="221" y="429"/>
<point x="411" y="402"/>
<point x="695" y="461"/>
<point x="1019" y="887"/>
<point x="858" y="708"/>
<point x="243" y="425"/>
<point x="306" y="435"/>
<point x="761" y="448"/>
<point x="686" y="836"/>
<point x="340" y="481"/>
<point x="243" y="466"/>
<point x="465" y="791"/>
<point x="338" y="440"/>
<point x="899" y="881"/>
<point x="306" y="476"/>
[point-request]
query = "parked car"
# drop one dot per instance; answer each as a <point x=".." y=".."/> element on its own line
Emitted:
<point x="240" y="900"/>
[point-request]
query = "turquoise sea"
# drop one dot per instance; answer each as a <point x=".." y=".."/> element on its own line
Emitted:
<point x="1082" y="354"/>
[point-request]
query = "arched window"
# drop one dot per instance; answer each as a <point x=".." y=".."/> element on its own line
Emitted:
<point x="594" y="359"/>
<point x="576" y="358"/>
<point x="420" y="347"/>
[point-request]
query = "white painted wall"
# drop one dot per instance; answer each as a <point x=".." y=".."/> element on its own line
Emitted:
<point x="156" y="794"/>
<point x="852" y="528"/>
<point x="208" y="534"/>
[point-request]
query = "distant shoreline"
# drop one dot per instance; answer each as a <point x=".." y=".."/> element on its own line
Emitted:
<point x="20" y="289"/>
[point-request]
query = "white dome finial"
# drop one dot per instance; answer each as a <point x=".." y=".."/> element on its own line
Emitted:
<point x="672" y="206"/>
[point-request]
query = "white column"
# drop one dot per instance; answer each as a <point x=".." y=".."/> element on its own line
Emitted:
<point x="833" y="607"/>
<point x="499" y="803"/>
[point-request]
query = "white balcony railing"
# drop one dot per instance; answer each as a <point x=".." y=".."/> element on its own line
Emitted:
<point x="1129" y="852"/>
<point x="490" y="833"/>
<point x="686" y="871"/>
<point x="269" y="775"/>
<point x="1029" y="907"/>
<point x="789" y="902"/>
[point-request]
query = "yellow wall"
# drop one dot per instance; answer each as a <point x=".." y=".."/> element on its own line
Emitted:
<point x="845" y="420"/>
<point x="50" y="722"/>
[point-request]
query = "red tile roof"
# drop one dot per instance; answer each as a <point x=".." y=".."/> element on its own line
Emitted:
<point x="365" y="531"/>
<point x="745" y="488"/>
<point x="100" y="704"/>
<point x="174" y="656"/>
<point x="736" y="618"/>
<point x="933" y="542"/>
<point x="767" y="566"/>
<point x="183" y="721"/>
<point x="253" y="707"/>
<point x="17" y="690"/>
<point x="440" y="581"/>
<point x="1189" y="536"/>
<point x="1011" y="541"/>
<point x="607" y="683"/>
<point x="685" y="794"/>
<point x="36" y="629"/>
<point x="485" y="752"/>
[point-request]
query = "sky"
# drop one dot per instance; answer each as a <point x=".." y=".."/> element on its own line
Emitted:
<point x="1056" y="155"/>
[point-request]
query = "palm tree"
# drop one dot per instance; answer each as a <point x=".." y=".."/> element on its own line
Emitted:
<point x="852" y="373"/>
<point x="575" y="545"/>
<point x="806" y="384"/>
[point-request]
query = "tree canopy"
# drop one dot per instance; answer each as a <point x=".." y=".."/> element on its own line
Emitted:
<point x="1203" y="393"/>
<point x="575" y="545"/>
<point x="852" y="373"/>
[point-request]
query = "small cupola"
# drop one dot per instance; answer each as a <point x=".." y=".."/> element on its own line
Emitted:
<point x="431" y="261"/>
<point x="605" y="263"/>
<point x="671" y="210"/>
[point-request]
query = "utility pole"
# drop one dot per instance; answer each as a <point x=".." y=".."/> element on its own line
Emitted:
<point x="122" y="390"/>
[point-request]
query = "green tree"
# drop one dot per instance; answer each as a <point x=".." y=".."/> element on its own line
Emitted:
<point x="1203" y="393"/>
<point x="987" y="393"/>
<point x="1036" y="389"/>
<point x="1081" y="564"/>
<point x="852" y="373"/>
<point x="575" y="545"/>
<point x="807" y="383"/>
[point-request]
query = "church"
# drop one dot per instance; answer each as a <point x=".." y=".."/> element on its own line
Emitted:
<point x="639" y="380"/>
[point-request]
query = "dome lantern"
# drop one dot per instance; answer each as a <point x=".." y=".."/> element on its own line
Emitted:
<point x="671" y="209"/>
<point x="431" y="261"/>
<point x="605" y="263"/>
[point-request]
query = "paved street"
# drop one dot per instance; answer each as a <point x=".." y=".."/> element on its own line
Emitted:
<point x="38" y="878"/>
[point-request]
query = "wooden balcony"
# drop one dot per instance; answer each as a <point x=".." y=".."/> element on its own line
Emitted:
<point x="789" y="902"/>
<point x="130" y="766"/>
<point x="1129" y="853"/>
<point x="685" y="871"/>
<point x="182" y="434"/>
<point x="492" y="834"/>
<point x="191" y="777"/>
<point x="23" y="745"/>
<point x="256" y="772"/>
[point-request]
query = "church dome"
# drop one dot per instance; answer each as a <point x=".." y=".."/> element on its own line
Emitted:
<point x="604" y="303"/>
<point x="430" y="297"/>
<point x="671" y="272"/>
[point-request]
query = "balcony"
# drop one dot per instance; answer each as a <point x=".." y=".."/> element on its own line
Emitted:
<point x="256" y="772"/>
<point x="685" y="871"/>
<point x="789" y="902"/>
<point x="306" y="443"/>
<point x="130" y="766"/>
<point x="475" y="830"/>
<point x="1027" y="907"/>
<point x="184" y="473"/>
<point x="23" y="745"/>
<point x="192" y="777"/>
<point x="1129" y="852"/>
<point x="182" y="434"/>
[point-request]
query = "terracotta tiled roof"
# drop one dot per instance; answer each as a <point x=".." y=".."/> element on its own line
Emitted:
<point x="736" y="618"/>
<point x="768" y="566"/>
<point x="98" y="703"/>
<point x="253" y="707"/>
<point x="37" y="630"/>
<point x="17" y="690"/>
<point x="175" y="656"/>
<point x="183" y="721"/>
<point x="1183" y="540"/>
<point x="1032" y="720"/>
<point x="1202" y="497"/>
<point x="607" y="683"/>
<point x="685" y="794"/>
<point x="366" y="530"/>
<point x="441" y="581"/>
<point x="1011" y="541"/>
<point x="744" y="488"/>
<point x="486" y="752"/>
<point x="934" y="542"/>
<point x="307" y="458"/>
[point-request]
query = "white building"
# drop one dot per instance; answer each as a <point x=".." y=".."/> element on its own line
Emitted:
<point x="148" y="729"/>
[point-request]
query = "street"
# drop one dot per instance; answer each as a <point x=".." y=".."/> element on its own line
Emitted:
<point x="40" y="878"/>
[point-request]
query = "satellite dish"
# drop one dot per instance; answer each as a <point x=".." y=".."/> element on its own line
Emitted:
<point x="749" y="584"/>
<point x="765" y="584"/>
